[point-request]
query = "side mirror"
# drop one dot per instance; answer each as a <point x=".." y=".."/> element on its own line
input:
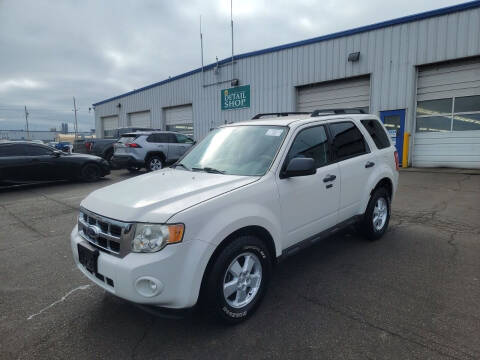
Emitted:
<point x="300" y="167"/>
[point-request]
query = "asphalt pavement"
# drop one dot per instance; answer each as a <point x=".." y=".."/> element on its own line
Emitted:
<point x="413" y="294"/>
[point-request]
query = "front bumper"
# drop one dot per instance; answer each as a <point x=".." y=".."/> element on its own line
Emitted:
<point x="126" y="161"/>
<point x="177" y="269"/>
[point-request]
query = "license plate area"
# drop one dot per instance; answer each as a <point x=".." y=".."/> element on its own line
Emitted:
<point x="88" y="257"/>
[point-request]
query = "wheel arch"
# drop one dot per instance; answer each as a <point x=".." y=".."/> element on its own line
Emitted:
<point x="157" y="153"/>
<point x="254" y="230"/>
<point x="386" y="183"/>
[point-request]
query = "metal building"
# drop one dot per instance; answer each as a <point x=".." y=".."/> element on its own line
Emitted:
<point x="419" y="73"/>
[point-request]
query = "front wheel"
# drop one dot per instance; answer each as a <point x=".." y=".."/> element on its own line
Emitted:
<point x="238" y="279"/>
<point x="90" y="172"/>
<point x="377" y="215"/>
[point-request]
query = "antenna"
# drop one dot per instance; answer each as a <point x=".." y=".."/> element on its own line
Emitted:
<point x="26" y="120"/>
<point x="231" y="23"/>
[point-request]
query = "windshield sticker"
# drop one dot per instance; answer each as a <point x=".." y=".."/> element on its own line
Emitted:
<point x="274" y="132"/>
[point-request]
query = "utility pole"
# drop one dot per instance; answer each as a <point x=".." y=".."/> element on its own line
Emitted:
<point x="26" y="120"/>
<point x="75" y="111"/>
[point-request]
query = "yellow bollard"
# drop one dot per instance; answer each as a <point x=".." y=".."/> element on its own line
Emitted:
<point x="406" y="141"/>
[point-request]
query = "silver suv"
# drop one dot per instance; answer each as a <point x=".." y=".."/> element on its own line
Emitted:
<point x="149" y="149"/>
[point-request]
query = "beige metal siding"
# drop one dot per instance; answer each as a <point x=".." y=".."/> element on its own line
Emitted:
<point x="350" y="93"/>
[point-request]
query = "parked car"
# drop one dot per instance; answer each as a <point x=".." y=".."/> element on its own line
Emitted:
<point x="103" y="147"/>
<point x="52" y="144"/>
<point x="151" y="149"/>
<point x="27" y="163"/>
<point x="64" y="146"/>
<point x="211" y="228"/>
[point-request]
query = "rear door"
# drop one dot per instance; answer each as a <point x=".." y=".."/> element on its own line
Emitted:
<point x="355" y="161"/>
<point x="13" y="163"/>
<point x="309" y="204"/>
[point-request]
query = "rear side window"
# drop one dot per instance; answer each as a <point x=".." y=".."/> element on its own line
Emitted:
<point x="347" y="140"/>
<point x="126" y="139"/>
<point x="13" y="150"/>
<point x="158" y="138"/>
<point x="376" y="131"/>
<point x="311" y="143"/>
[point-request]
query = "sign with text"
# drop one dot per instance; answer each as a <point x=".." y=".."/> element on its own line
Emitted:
<point x="235" y="98"/>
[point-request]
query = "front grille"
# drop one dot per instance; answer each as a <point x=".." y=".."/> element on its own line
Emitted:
<point x="105" y="234"/>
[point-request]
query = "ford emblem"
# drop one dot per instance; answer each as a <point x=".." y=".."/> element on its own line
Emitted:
<point x="92" y="232"/>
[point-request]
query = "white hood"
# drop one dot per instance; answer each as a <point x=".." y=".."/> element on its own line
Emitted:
<point x="156" y="196"/>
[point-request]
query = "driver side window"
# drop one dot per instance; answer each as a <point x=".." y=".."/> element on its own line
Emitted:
<point x="38" y="150"/>
<point x="311" y="143"/>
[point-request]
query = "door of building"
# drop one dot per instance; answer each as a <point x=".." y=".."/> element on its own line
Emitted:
<point x="394" y="121"/>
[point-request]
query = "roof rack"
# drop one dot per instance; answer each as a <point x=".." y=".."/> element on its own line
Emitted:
<point x="280" y="114"/>
<point x="326" y="112"/>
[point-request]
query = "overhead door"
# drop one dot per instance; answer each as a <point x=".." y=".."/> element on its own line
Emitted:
<point x="447" y="126"/>
<point x="180" y="119"/>
<point x="139" y="119"/>
<point x="340" y="94"/>
<point x="109" y="124"/>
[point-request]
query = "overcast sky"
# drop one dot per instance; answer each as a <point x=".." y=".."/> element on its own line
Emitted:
<point x="51" y="51"/>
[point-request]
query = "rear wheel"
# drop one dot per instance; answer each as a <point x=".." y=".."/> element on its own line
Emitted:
<point x="108" y="156"/>
<point x="154" y="163"/>
<point x="90" y="172"/>
<point x="238" y="279"/>
<point x="377" y="215"/>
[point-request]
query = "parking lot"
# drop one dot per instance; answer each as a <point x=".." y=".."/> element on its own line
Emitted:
<point x="413" y="294"/>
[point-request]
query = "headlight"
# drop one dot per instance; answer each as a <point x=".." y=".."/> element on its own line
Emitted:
<point x="152" y="237"/>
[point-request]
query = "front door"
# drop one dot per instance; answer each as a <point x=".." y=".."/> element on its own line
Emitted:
<point x="394" y="121"/>
<point x="309" y="204"/>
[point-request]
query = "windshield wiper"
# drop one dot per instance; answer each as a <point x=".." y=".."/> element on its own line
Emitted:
<point x="180" y="164"/>
<point x="209" y="170"/>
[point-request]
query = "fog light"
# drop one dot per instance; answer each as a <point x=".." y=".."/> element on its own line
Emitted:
<point x="148" y="286"/>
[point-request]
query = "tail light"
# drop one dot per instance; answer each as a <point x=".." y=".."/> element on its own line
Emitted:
<point x="89" y="145"/>
<point x="397" y="163"/>
<point x="133" y="145"/>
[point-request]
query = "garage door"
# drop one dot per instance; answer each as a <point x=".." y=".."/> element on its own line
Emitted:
<point x="139" y="119"/>
<point x="341" y="94"/>
<point x="447" y="129"/>
<point x="109" y="124"/>
<point x="180" y="119"/>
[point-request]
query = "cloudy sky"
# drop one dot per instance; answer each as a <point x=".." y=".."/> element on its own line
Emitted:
<point x="52" y="50"/>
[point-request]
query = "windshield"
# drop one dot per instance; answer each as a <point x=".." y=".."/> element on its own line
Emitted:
<point x="236" y="150"/>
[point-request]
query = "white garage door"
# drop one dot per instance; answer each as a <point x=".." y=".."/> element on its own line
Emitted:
<point x="139" y="119"/>
<point x="447" y="130"/>
<point x="109" y="124"/>
<point x="341" y="94"/>
<point x="180" y="119"/>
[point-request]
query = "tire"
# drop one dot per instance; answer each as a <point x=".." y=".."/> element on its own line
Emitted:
<point x="90" y="172"/>
<point x="154" y="163"/>
<point x="377" y="215"/>
<point x="239" y="300"/>
<point x="108" y="156"/>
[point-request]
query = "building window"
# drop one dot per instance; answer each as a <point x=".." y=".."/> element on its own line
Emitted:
<point x="460" y="113"/>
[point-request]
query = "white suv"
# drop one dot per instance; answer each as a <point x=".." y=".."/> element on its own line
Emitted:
<point x="212" y="227"/>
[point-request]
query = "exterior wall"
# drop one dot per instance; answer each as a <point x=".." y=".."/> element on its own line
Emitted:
<point x="390" y="55"/>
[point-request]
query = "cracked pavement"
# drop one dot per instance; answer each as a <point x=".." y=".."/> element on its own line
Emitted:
<point x="413" y="294"/>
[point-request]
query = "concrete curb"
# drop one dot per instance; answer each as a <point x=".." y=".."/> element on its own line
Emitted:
<point x="442" y="170"/>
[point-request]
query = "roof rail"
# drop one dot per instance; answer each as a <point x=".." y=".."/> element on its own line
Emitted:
<point x="325" y="112"/>
<point x="279" y="114"/>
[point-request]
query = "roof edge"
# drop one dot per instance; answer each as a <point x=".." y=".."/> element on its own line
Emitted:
<point x="362" y="29"/>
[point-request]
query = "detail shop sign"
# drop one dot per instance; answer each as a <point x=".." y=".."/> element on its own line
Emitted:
<point x="235" y="98"/>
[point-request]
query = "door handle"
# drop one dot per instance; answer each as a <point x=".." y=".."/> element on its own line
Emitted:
<point x="369" y="164"/>
<point x="329" y="178"/>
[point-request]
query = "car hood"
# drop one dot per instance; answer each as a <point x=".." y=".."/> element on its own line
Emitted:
<point x="157" y="196"/>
